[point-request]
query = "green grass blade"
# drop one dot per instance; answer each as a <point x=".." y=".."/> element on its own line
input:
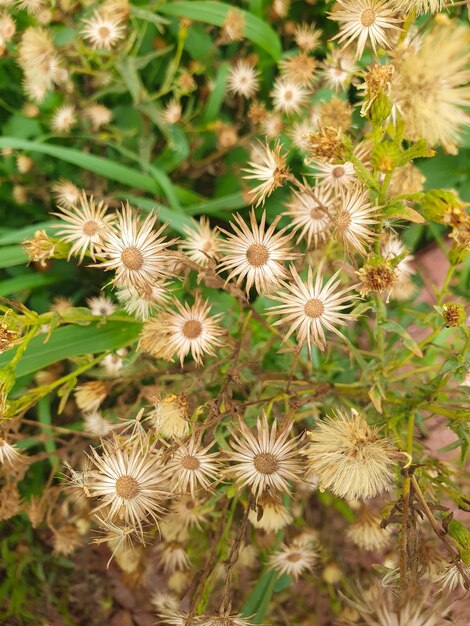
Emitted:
<point x="70" y="341"/>
<point x="256" y="30"/>
<point x="12" y="255"/>
<point x="27" y="281"/>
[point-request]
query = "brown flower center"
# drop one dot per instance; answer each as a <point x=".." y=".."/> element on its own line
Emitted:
<point x="104" y="32"/>
<point x="288" y="95"/>
<point x="257" y="254"/>
<point x="192" y="329"/>
<point x="90" y="228"/>
<point x="314" y="308"/>
<point x="343" y="220"/>
<point x="132" y="258"/>
<point x="190" y="462"/>
<point x="266" y="463"/>
<point x="127" y="487"/>
<point x="368" y="17"/>
<point x="294" y="557"/>
<point x="338" y="171"/>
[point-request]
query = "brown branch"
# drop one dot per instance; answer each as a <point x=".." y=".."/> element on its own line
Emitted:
<point x="453" y="552"/>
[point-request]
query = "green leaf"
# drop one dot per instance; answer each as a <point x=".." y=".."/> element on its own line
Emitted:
<point x="177" y="220"/>
<point x="154" y="182"/>
<point x="149" y="15"/>
<point x="231" y="202"/>
<point x="12" y="255"/>
<point x="27" y="281"/>
<point x="256" y="30"/>
<point x="128" y="70"/>
<point x="258" y="600"/>
<point x="18" y="235"/>
<point x="70" y="341"/>
<point x="217" y="95"/>
<point x="44" y="416"/>
<point x="409" y="342"/>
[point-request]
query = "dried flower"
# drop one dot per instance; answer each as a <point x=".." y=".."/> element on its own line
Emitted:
<point x="189" y="329"/>
<point x="270" y="168"/>
<point x="366" y="532"/>
<point x="127" y="478"/>
<point x="64" y="119"/>
<point x="103" y="30"/>
<point x="98" y="115"/>
<point x="101" y="305"/>
<point x="293" y="560"/>
<point x="170" y="416"/>
<point x="299" y="69"/>
<point x="288" y="96"/>
<point x="243" y="79"/>
<point x="193" y="467"/>
<point x="306" y="37"/>
<point x="339" y="68"/>
<point x="270" y="514"/>
<point x="66" y="193"/>
<point x="311" y="212"/>
<point x="335" y="176"/>
<point x="311" y="307"/>
<point x="10" y="456"/>
<point x="349" y="457"/>
<point x="172" y="112"/>
<point x="431" y="90"/>
<point x="202" y="242"/>
<point x="354" y="218"/>
<point x="365" y="20"/>
<point x="267" y="460"/>
<point x="256" y="254"/>
<point x="135" y="251"/>
<point x="86" y="226"/>
<point x="145" y="301"/>
<point x="90" y="395"/>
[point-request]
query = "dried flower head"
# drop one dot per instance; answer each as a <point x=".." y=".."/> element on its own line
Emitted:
<point x="243" y="79"/>
<point x="192" y="467"/>
<point x="365" y="20"/>
<point x="265" y="461"/>
<point x="299" y="68"/>
<point x="96" y="424"/>
<point x="335" y="113"/>
<point x="339" y="68"/>
<point x="366" y="532"/>
<point x="145" y="301"/>
<point x="188" y="329"/>
<point x="270" y="514"/>
<point x="173" y="557"/>
<point x="66" y="193"/>
<point x="326" y="143"/>
<point x="40" y="248"/>
<point x="103" y="31"/>
<point x="98" y="115"/>
<point x="311" y="211"/>
<point x="136" y="252"/>
<point x="101" y="305"/>
<point x="85" y="226"/>
<point x="350" y="458"/>
<point x="90" y="395"/>
<point x="431" y="90"/>
<point x="311" y="307"/>
<point x="334" y="176"/>
<point x="234" y="25"/>
<point x="256" y="254"/>
<point x="127" y="479"/>
<point x="172" y="112"/>
<point x="10" y="456"/>
<point x="269" y="167"/>
<point x="288" y="96"/>
<point x="354" y="218"/>
<point x="170" y="416"/>
<point x="293" y="560"/>
<point x="202" y="242"/>
<point x="377" y="275"/>
<point x="306" y="37"/>
<point x="420" y="6"/>
<point x="64" y="119"/>
<point x="40" y="63"/>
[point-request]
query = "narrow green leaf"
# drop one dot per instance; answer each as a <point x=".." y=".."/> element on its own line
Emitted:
<point x="260" y="597"/>
<point x="70" y="341"/>
<point x="231" y="202"/>
<point x="17" y="235"/>
<point x="27" y="281"/>
<point x="44" y="416"/>
<point x="216" y="98"/>
<point x="149" y="15"/>
<point x="409" y="342"/>
<point x="12" y="255"/>
<point x="177" y="220"/>
<point x="256" y="30"/>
